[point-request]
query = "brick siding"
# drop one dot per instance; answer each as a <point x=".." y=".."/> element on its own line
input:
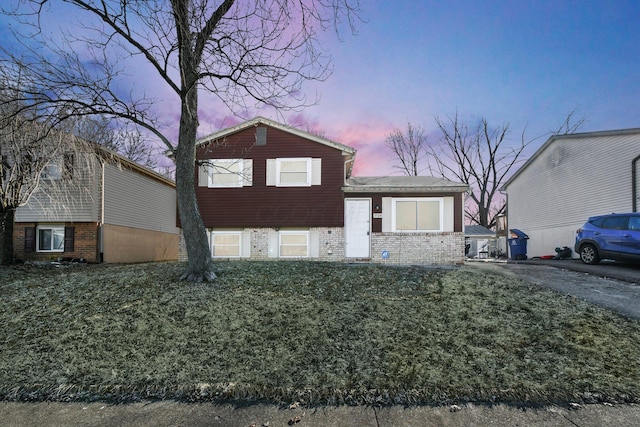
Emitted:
<point x="403" y="248"/>
<point x="85" y="243"/>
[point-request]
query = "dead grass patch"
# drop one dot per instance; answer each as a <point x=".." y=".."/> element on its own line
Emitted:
<point x="317" y="333"/>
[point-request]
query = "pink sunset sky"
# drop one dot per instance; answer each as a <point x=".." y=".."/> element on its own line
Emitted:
<point x="519" y="62"/>
<point x="527" y="64"/>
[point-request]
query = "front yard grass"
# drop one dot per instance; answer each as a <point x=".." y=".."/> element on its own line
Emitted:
<point x="316" y="333"/>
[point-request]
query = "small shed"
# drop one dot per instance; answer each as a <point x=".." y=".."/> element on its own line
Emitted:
<point x="480" y="242"/>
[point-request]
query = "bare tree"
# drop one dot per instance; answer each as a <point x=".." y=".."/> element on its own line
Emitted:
<point x="236" y="50"/>
<point x="571" y="124"/>
<point x="409" y="148"/>
<point x="130" y="143"/>
<point x="482" y="157"/>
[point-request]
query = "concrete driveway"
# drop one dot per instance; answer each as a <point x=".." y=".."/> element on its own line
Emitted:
<point x="610" y="285"/>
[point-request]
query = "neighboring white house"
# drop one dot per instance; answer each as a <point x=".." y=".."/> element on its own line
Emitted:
<point x="570" y="178"/>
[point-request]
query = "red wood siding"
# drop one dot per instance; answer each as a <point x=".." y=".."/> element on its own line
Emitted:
<point x="260" y="205"/>
<point x="376" y="199"/>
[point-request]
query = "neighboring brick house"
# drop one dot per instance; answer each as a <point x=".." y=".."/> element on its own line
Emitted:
<point x="105" y="209"/>
<point x="266" y="190"/>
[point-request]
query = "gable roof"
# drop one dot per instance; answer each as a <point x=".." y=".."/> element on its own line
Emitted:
<point x="572" y="136"/>
<point x="402" y="184"/>
<point x="346" y="150"/>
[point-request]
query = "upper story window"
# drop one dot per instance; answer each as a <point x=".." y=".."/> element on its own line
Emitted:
<point x="226" y="173"/>
<point x="58" y="168"/>
<point x="294" y="172"/>
<point x="417" y="214"/>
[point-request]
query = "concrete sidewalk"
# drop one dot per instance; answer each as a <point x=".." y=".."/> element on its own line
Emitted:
<point x="169" y="413"/>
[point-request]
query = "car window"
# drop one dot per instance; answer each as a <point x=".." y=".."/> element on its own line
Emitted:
<point x="634" y="223"/>
<point x="597" y="222"/>
<point x="615" y="223"/>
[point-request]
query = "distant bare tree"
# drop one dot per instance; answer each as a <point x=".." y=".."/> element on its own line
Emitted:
<point x="409" y="148"/>
<point x="571" y="124"/>
<point x="236" y="50"/>
<point x="482" y="157"/>
<point x="130" y="143"/>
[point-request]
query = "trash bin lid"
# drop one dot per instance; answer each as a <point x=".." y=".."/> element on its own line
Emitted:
<point x="517" y="233"/>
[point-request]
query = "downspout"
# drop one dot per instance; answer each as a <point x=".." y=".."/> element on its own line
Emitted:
<point x="101" y="223"/>
<point x="634" y="185"/>
<point x="346" y="168"/>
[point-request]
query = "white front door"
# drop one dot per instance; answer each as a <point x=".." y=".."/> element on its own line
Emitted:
<point x="357" y="223"/>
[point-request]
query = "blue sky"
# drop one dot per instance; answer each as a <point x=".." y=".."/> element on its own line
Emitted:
<point x="525" y="63"/>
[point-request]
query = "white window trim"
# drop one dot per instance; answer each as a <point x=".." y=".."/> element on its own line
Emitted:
<point x="293" y="159"/>
<point x="292" y="232"/>
<point x="49" y="227"/>
<point x="417" y="199"/>
<point x="214" y="233"/>
<point x="210" y="169"/>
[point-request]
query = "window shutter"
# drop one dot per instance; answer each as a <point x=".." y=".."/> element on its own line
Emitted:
<point x="29" y="239"/>
<point x="274" y="244"/>
<point x="246" y="244"/>
<point x="67" y="166"/>
<point x="316" y="171"/>
<point x="387" y="220"/>
<point x="271" y="171"/>
<point x="314" y="244"/>
<point x="69" y="238"/>
<point x="203" y="175"/>
<point x="247" y="173"/>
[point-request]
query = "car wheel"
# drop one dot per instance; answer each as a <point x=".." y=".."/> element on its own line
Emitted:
<point x="589" y="254"/>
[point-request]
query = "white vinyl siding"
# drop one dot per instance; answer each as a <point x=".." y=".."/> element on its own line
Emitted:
<point x="569" y="180"/>
<point x="74" y="200"/>
<point x="226" y="173"/>
<point x="50" y="238"/>
<point x="294" y="172"/>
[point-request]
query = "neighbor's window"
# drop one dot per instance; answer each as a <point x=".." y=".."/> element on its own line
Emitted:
<point x="50" y="239"/>
<point x="59" y="168"/>
<point x="418" y="214"/>
<point x="226" y="244"/>
<point x="294" y="244"/>
<point x="226" y="173"/>
<point x="293" y="172"/>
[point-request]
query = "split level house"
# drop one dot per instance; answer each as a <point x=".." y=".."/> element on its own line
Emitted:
<point x="97" y="206"/>
<point x="269" y="191"/>
<point x="569" y="179"/>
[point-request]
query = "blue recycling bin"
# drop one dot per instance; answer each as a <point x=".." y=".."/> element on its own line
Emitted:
<point x="518" y="244"/>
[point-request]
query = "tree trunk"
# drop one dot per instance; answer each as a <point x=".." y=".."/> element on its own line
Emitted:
<point x="199" y="266"/>
<point x="6" y="236"/>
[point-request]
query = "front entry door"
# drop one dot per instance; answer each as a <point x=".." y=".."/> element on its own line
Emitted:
<point x="357" y="225"/>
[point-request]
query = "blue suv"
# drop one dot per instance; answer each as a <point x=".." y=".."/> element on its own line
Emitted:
<point x="615" y="236"/>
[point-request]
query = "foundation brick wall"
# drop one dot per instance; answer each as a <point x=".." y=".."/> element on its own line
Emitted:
<point x="85" y="243"/>
<point x="403" y="248"/>
<point x="418" y="248"/>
